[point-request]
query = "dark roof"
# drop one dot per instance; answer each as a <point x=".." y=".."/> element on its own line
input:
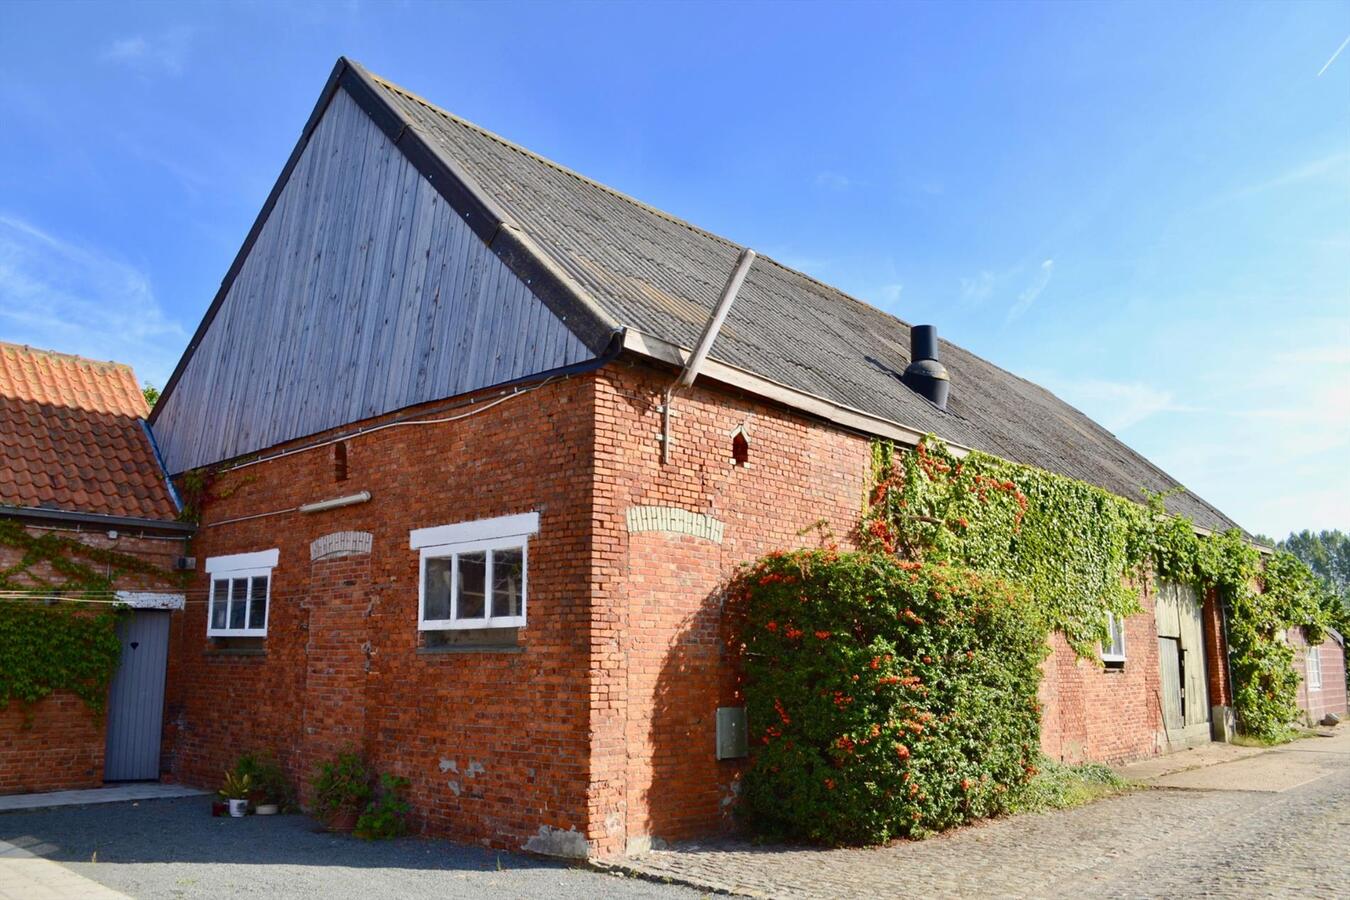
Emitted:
<point x="73" y="438"/>
<point x="653" y="272"/>
<point x="608" y="264"/>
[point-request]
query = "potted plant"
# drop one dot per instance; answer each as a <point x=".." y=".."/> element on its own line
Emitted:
<point x="235" y="791"/>
<point x="341" y="791"/>
<point x="271" y="790"/>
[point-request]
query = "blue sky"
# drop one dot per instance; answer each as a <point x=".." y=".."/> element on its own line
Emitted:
<point x="1144" y="207"/>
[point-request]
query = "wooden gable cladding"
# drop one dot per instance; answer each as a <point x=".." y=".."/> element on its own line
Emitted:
<point x="363" y="292"/>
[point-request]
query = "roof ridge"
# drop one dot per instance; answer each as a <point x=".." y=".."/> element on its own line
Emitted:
<point x="60" y="354"/>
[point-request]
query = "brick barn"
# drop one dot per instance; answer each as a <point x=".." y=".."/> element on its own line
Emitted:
<point x="77" y="463"/>
<point x="473" y="495"/>
<point x="1321" y="669"/>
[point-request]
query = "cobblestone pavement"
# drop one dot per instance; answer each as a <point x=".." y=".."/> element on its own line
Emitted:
<point x="1243" y="840"/>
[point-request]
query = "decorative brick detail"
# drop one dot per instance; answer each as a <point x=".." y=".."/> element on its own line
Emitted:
<point x="340" y="543"/>
<point x="673" y="520"/>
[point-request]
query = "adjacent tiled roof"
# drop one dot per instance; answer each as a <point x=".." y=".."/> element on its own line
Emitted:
<point x="661" y="276"/>
<point x="72" y="437"/>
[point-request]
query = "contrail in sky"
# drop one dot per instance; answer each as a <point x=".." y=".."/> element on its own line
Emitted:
<point x="1334" y="55"/>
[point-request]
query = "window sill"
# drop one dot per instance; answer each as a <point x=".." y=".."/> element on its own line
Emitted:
<point x="470" y="648"/>
<point x="236" y="651"/>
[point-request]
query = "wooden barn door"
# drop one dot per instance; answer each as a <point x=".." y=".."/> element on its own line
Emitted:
<point x="136" y="698"/>
<point x="1181" y="661"/>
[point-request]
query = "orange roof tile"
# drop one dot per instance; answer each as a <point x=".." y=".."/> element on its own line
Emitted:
<point x="72" y="437"/>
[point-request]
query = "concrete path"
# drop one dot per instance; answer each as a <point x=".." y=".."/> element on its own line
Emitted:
<point x="1261" y="823"/>
<point x="26" y="876"/>
<point x="114" y="793"/>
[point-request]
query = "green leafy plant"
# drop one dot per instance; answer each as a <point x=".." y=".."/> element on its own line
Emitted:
<point x="236" y="786"/>
<point x="1082" y="552"/>
<point x="885" y="697"/>
<point x="63" y="647"/>
<point x="387" y="815"/>
<point x="268" y="778"/>
<point x="341" y="784"/>
<point x="1061" y="786"/>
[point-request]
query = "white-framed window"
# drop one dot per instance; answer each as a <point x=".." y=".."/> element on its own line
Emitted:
<point x="1314" y="665"/>
<point x="1113" y="651"/>
<point x="474" y="574"/>
<point x="241" y="586"/>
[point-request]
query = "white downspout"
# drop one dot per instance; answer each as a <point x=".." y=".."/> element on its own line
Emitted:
<point x="705" y="342"/>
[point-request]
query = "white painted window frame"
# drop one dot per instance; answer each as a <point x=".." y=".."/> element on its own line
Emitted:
<point x="483" y="535"/>
<point x="240" y="565"/>
<point x="1111" y="625"/>
<point x="1313" y="665"/>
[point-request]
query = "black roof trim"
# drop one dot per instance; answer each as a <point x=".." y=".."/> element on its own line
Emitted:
<point x="85" y="518"/>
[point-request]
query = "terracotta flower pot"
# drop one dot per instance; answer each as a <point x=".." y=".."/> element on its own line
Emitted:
<point x="344" y="820"/>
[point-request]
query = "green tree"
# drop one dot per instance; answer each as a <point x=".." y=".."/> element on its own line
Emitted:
<point x="151" y="394"/>
<point x="1327" y="553"/>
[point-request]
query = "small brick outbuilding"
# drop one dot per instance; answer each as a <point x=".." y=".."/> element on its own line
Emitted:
<point x="77" y="463"/>
<point x="459" y="515"/>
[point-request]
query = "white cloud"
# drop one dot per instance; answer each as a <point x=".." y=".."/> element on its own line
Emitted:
<point x="166" y="51"/>
<point x="978" y="289"/>
<point x="1033" y="290"/>
<point x="61" y="296"/>
<point x="833" y="181"/>
<point x="1332" y="166"/>
<point x="890" y="293"/>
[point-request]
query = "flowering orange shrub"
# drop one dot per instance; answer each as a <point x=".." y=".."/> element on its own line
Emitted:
<point x="885" y="697"/>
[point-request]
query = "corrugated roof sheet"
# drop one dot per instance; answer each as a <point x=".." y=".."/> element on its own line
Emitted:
<point x="72" y="437"/>
<point x="661" y="276"/>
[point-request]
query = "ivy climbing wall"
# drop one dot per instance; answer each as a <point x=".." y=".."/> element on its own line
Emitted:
<point x="56" y="660"/>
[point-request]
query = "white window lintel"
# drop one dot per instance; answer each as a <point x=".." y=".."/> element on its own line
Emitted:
<point x="261" y="559"/>
<point x="517" y="526"/>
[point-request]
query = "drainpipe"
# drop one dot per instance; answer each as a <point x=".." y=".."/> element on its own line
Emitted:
<point x="705" y="342"/>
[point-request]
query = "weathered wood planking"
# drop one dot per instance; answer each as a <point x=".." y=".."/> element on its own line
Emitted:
<point x="364" y="293"/>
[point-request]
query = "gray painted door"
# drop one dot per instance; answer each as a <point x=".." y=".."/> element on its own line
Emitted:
<point x="136" y="699"/>
<point x="1169" y="659"/>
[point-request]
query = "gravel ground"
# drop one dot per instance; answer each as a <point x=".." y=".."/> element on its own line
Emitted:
<point x="174" y="848"/>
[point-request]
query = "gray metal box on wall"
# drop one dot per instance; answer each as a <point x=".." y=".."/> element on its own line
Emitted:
<point x="731" y="733"/>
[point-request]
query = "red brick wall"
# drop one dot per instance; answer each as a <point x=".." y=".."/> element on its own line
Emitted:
<point x="1089" y="712"/>
<point x="1216" y="650"/>
<point x="494" y="743"/>
<point x="58" y="743"/>
<point x="1331" y="697"/>
<point x="658" y="671"/>
<point x="660" y="665"/>
<point x="604" y="723"/>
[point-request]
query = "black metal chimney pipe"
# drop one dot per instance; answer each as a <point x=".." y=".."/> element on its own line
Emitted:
<point x="925" y="375"/>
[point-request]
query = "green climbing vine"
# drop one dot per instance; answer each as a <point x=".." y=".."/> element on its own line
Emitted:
<point x="49" y="644"/>
<point x="1082" y="552"/>
<point x="60" y="647"/>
